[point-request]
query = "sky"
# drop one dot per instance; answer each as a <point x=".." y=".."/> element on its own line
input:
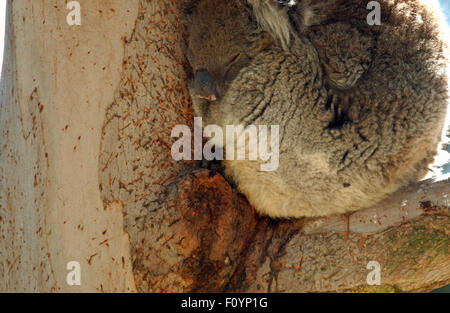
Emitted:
<point x="445" y="4"/>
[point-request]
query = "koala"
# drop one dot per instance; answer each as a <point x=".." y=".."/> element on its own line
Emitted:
<point x="360" y="108"/>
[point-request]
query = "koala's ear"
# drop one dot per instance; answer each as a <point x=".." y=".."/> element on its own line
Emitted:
<point x="274" y="19"/>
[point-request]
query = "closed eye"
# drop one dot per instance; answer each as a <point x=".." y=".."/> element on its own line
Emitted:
<point x="233" y="58"/>
<point x="233" y="66"/>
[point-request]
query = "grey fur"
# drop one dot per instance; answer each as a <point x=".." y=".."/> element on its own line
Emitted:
<point x="361" y="108"/>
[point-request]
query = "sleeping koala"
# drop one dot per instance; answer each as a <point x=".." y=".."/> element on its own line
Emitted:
<point x="360" y="108"/>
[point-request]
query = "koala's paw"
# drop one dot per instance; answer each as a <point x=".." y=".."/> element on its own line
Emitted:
<point x="345" y="54"/>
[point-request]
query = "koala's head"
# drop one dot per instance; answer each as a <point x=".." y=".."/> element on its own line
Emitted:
<point x="222" y="38"/>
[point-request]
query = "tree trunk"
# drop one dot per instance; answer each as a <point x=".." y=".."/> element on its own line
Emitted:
<point x="86" y="175"/>
<point x="57" y="82"/>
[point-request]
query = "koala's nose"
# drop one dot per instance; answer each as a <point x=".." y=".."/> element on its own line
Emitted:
<point x="204" y="86"/>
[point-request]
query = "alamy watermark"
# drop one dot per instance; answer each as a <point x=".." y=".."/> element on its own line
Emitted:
<point x="374" y="17"/>
<point x="250" y="140"/>
<point x="73" y="278"/>
<point x="74" y="16"/>
<point x="374" y="277"/>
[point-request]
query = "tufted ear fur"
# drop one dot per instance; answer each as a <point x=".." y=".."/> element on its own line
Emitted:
<point x="284" y="20"/>
<point x="274" y="19"/>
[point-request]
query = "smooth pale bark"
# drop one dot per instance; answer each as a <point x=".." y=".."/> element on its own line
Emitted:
<point x="56" y="84"/>
<point x="186" y="229"/>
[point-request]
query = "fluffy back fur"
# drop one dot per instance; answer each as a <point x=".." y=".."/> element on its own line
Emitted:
<point x="361" y="108"/>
